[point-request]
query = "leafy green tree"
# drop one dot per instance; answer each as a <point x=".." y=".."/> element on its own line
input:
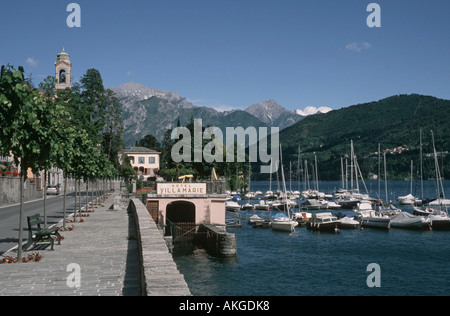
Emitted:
<point x="149" y="141"/>
<point x="28" y="127"/>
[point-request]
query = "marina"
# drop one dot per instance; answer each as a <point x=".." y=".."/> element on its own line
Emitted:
<point x="313" y="262"/>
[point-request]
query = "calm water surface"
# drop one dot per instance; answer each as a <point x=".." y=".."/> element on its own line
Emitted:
<point x="271" y="263"/>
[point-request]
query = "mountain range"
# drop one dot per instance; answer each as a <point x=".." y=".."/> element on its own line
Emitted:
<point x="152" y="111"/>
<point x="393" y="122"/>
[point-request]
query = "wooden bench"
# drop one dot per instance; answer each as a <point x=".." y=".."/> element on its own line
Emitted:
<point x="40" y="234"/>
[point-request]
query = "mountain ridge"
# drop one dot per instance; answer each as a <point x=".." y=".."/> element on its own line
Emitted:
<point x="153" y="111"/>
<point x="393" y="121"/>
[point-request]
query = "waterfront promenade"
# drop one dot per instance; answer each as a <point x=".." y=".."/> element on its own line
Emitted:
<point x="105" y="248"/>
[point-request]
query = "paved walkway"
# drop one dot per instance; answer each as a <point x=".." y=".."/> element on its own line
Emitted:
<point x="103" y="246"/>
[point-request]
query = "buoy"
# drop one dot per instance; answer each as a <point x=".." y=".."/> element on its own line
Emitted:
<point x="362" y="228"/>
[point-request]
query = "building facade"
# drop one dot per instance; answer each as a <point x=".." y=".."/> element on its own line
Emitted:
<point x="145" y="161"/>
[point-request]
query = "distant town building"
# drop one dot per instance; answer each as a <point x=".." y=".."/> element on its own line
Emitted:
<point x="145" y="161"/>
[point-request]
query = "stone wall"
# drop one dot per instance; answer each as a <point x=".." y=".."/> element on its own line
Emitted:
<point x="10" y="191"/>
<point x="159" y="273"/>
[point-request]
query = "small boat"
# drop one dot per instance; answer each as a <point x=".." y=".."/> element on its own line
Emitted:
<point x="232" y="206"/>
<point x="348" y="201"/>
<point x="440" y="221"/>
<point x="323" y="222"/>
<point x="262" y="206"/>
<point x="408" y="200"/>
<point x="283" y="223"/>
<point x="332" y="205"/>
<point x="374" y="221"/>
<point x="249" y="195"/>
<point x="301" y="217"/>
<point x="311" y="204"/>
<point x="257" y="221"/>
<point x="247" y="207"/>
<point x="408" y="221"/>
<point x="437" y="204"/>
<point x="422" y="211"/>
<point x="270" y="195"/>
<point x="370" y="218"/>
<point x="259" y="195"/>
<point x="348" y="223"/>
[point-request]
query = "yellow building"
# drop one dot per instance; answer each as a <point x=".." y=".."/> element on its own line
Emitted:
<point x="145" y="161"/>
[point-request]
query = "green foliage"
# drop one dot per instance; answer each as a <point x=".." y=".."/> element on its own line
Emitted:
<point x="29" y="125"/>
<point x="44" y="130"/>
<point x="201" y="170"/>
<point x="393" y="122"/>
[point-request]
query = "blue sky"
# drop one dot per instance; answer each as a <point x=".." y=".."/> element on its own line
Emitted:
<point x="235" y="53"/>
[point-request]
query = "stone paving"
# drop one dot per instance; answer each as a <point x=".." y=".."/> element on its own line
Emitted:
<point x="105" y="249"/>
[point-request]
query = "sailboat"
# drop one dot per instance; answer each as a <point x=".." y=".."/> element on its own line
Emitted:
<point x="283" y="222"/>
<point x="439" y="219"/>
<point x="409" y="199"/>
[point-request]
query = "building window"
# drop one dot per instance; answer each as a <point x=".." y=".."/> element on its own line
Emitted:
<point x="141" y="160"/>
<point x="151" y="160"/>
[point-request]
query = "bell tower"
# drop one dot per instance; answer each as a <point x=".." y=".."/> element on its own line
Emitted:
<point x="63" y="70"/>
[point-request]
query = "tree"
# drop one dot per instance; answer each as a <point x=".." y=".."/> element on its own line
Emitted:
<point x="149" y="141"/>
<point x="112" y="135"/>
<point x="28" y="127"/>
<point x="93" y="103"/>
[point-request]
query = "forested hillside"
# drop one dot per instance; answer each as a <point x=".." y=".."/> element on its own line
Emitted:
<point x="394" y="122"/>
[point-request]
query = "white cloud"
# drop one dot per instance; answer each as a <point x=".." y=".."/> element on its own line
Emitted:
<point x="358" y="47"/>
<point x="310" y="110"/>
<point x="33" y="63"/>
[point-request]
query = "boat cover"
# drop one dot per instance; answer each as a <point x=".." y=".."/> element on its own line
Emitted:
<point x="404" y="218"/>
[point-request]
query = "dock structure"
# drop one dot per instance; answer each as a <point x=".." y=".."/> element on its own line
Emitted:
<point x="185" y="209"/>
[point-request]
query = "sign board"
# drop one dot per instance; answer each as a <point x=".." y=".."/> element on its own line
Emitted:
<point x="181" y="188"/>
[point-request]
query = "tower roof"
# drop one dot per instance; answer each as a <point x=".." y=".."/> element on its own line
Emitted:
<point x="63" y="52"/>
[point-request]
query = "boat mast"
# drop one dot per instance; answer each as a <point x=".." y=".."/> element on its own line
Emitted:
<point x="284" y="183"/>
<point x="439" y="182"/>
<point x="421" y="164"/>
<point x="385" y="179"/>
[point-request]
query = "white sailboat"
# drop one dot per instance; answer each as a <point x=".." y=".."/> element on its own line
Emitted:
<point x="283" y="222"/>
<point x="439" y="219"/>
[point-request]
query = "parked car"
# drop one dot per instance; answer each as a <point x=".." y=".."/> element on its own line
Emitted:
<point x="52" y="189"/>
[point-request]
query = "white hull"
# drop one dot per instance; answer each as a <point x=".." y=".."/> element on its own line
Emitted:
<point x="348" y="222"/>
<point x="284" y="225"/>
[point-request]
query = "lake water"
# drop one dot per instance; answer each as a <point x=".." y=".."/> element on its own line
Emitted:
<point x="271" y="263"/>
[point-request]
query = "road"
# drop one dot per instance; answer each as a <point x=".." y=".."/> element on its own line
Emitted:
<point x="9" y="217"/>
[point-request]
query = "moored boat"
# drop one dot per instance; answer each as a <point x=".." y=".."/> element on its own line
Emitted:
<point x="281" y="222"/>
<point x="301" y="217"/>
<point x="232" y="206"/>
<point x="440" y="221"/>
<point x="409" y="221"/>
<point x="323" y="222"/>
<point x="348" y="223"/>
